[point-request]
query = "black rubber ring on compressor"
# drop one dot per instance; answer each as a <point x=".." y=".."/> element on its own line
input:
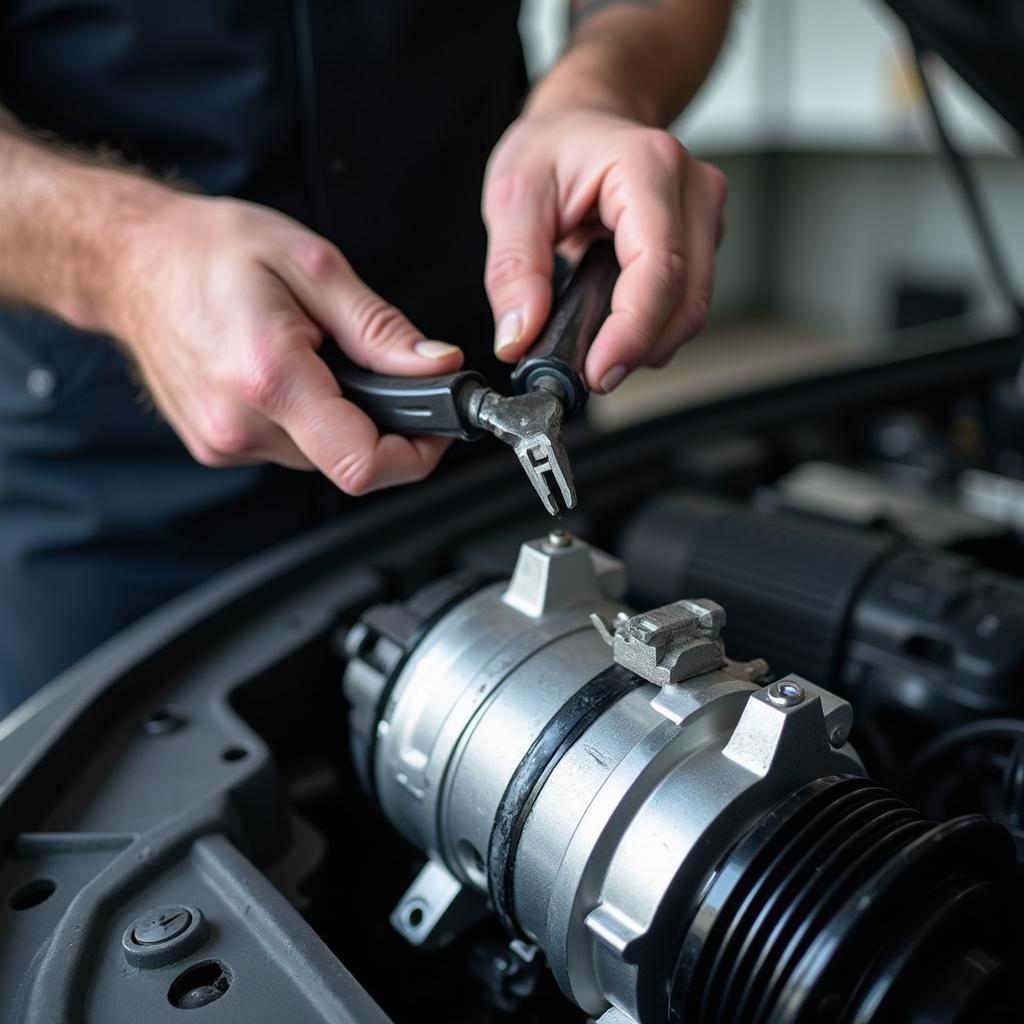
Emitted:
<point x="566" y="726"/>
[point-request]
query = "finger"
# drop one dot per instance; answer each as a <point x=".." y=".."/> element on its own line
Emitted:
<point x="340" y="440"/>
<point x="703" y="199"/>
<point x="520" y="212"/>
<point x="372" y="332"/>
<point x="237" y="436"/>
<point x="276" y="446"/>
<point x="163" y="400"/>
<point x="643" y="209"/>
<point x="578" y="241"/>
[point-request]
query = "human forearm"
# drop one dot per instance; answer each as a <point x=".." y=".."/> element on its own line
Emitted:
<point x="63" y="219"/>
<point x="642" y="59"/>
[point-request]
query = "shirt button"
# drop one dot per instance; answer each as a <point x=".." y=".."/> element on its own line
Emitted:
<point x="41" y="382"/>
<point x="337" y="167"/>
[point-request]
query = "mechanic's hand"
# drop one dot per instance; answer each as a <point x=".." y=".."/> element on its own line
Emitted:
<point x="223" y="305"/>
<point x="560" y="177"/>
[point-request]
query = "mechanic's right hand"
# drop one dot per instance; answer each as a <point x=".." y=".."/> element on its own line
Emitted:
<point x="223" y="305"/>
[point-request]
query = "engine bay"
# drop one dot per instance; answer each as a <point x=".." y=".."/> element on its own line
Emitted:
<point x="406" y="788"/>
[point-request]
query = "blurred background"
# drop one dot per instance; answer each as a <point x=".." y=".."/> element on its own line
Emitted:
<point x="845" y="232"/>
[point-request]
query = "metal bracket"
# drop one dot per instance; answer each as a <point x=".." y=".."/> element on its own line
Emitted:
<point x="436" y="907"/>
<point x="558" y="571"/>
<point x="807" y="717"/>
<point x="669" y="644"/>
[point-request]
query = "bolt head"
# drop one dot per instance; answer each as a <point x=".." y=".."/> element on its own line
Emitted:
<point x="785" y="693"/>
<point x="559" y="539"/>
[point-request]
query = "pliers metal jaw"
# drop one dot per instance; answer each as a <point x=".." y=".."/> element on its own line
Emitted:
<point x="532" y="425"/>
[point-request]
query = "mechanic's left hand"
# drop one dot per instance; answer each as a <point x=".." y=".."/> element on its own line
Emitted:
<point x="557" y="178"/>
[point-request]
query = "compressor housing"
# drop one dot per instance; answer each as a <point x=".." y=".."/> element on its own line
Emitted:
<point x="681" y="838"/>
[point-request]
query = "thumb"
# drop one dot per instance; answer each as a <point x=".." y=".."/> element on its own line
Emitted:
<point x="369" y="330"/>
<point x="520" y="217"/>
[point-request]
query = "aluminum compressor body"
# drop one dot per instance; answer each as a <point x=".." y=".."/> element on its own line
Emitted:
<point x="579" y="768"/>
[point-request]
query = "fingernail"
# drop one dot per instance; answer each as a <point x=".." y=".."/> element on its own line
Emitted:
<point x="509" y="330"/>
<point x="435" y="349"/>
<point x="613" y="378"/>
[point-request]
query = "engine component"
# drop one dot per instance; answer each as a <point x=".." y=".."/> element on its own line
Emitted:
<point x="892" y="625"/>
<point x="682" y="841"/>
<point x="862" y="499"/>
<point x="999" y="498"/>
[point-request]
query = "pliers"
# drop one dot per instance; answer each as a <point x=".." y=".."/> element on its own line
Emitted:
<point x="548" y="382"/>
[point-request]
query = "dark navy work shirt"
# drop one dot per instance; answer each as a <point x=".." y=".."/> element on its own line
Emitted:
<point x="368" y="120"/>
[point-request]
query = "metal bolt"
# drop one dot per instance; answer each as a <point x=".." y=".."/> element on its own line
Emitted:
<point x="838" y="737"/>
<point x="785" y="693"/>
<point x="162" y="926"/>
<point x="559" y="539"/>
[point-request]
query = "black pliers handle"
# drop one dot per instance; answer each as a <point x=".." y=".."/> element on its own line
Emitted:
<point x="412" y="406"/>
<point x="560" y="353"/>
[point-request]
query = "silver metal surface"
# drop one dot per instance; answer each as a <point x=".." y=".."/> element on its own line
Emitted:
<point x="613" y="1015"/>
<point x="532" y="425"/>
<point x="668" y="644"/>
<point x="785" y="693"/>
<point x="994" y="496"/>
<point x="854" y="496"/>
<point x="629" y="821"/>
<point x="547" y="577"/>
<point x="473" y="694"/>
